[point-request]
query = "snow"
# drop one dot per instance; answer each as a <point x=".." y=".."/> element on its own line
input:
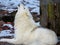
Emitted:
<point x="5" y="33"/>
<point x="9" y="25"/>
<point x="36" y="10"/>
<point x="37" y="23"/>
<point x="9" y="5"/>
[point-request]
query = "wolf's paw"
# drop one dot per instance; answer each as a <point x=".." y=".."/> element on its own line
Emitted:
<point x="2" y="40"/>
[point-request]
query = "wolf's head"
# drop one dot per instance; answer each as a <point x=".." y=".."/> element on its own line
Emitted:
<point x="23" y="11"/>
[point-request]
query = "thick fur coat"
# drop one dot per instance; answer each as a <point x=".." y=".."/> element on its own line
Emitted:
<point x="27" y="32"/>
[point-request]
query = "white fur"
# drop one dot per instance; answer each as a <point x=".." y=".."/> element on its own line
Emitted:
<point x="24" y="33"/>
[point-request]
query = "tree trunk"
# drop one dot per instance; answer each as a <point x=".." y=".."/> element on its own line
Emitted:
<point x="50" y="16"/>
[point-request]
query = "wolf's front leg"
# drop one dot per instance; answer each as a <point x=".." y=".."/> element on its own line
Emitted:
<point x="13" y="41"/>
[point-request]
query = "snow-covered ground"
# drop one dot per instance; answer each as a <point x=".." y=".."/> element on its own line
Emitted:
<point x="11" y="5"/>
<point x="6" y="33"/>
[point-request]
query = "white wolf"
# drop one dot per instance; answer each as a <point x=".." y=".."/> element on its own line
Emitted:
<point x="27" y="33"/>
